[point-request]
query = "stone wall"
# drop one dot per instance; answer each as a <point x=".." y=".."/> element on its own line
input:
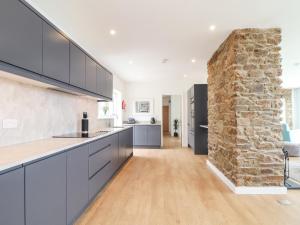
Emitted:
<point x="287" y="96"/>
<point x="244" y="100"/>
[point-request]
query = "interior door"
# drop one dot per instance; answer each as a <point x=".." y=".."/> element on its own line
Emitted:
<point x="166" y="119"/>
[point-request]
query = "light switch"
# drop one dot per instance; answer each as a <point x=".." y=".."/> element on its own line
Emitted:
<point x="9" y="123"/>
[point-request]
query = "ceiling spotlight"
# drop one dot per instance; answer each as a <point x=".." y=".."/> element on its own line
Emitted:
<point x="193" y="60"/>
<point x="212" y="27"/>
<point x="112" y="32"/>
<point x="165" y="60"/>
<point x="130" y="62"/>
<point x="185" y="75"/>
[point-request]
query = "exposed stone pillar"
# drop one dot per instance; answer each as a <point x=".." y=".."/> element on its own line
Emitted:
<point x="244" y="104"/>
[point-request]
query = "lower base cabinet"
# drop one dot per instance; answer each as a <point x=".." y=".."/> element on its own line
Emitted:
<point x="12" y="197"/>
<point x="77" y="182"/>
<point x="46" y="192"/>
<point x="147" y="135"/>
<point x="56" y="190"/>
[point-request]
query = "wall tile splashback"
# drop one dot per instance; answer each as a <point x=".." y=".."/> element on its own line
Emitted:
<point x="41" y="112"/>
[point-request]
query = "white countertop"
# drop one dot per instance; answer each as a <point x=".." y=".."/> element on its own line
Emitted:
<point x="142" y="123"/>
<point x="17" y="155"/>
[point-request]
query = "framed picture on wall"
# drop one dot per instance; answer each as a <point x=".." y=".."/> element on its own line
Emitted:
<point x="143" y="107"/>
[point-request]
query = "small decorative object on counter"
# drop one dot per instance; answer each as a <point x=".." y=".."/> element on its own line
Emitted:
<point x="152" y="121"/>
<point x="131" y="120"/>
<point x="85" y="125"/>
<point x="175" y="127"/>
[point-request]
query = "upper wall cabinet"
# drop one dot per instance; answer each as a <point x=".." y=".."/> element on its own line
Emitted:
<point x="109" y="85"/>
<point x="90" y="75"/>
<point x="104" y="82"/>
<point x="100" y="80"/>
<point x="56" y="58"/>
<point x="21" y="36"/>
<point x="32" y="47"/>
<point x="77" y="67"/>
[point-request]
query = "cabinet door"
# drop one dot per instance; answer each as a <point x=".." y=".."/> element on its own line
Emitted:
<point x="109" y="85"/>
<point x="21" y="39"/>
<point x="115" y="153"/>
<point x="12" y="198"/>
<point x="56" y="54"/>
<point x="154" y="135"/>
<point x="122" y="146"/>
<point x="77" y="67"/>
<point x="101" y="81"/>
<point x="91" y="75"/>
<point x="140" y="135"/>
<point x="129" y="141"/>
<point x="45" y="191"/>
<point x="77" y="182"/>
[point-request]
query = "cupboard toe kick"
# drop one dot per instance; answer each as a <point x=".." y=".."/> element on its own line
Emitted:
<point x="57" y="189"/>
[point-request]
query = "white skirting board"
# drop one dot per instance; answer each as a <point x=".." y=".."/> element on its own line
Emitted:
<point x="244" y="190"/>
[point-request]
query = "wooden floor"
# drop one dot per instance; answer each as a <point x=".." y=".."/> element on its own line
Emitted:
<point x="171" y="187"/>
<point x="171" y="142"/>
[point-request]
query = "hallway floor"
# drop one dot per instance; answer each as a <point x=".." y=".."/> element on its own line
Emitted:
<point x="158" y="187"/>
<point x="171" y="142"/>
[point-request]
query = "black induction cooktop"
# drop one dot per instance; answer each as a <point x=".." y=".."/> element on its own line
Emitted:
<point x="80" y="135"/>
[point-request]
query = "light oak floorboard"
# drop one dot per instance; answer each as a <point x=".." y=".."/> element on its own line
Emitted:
<point x="170" y="187"/>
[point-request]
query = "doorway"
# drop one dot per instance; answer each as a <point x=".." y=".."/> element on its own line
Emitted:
<point x="171" y="120"/>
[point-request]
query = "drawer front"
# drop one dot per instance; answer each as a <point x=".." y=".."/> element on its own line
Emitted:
<point x="98" y="160"/>
<point x="100" y="145"/>
<point x="99" y="180"/>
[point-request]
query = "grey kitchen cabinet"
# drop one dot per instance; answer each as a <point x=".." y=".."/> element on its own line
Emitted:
<point x="129" y="142"/>
<point x="147" y="135"/>
<point x="140" y="135"/>
<point x="101" y="83"/>
<point x="197" y="115"/>
<point x="115" y="152"/>
<point x="153" y="135"/>
<point x="91" y="75"/>
<point x="104" y="82"/>
<point x="56" y="54"/>
<point x="77" y="67"/>
<point x="122" y="148"/>
<point x="100" y="159"/>
<point x="45" y="191"/>
<point x="21" y="39"/>
<point x="77" y="182"/>
<point x="12" y="198"/>
<point x="108" y="85"/>
<point x="125" y="144"/>
<point x="97" y="182"/>
<point x="101" y="166"/>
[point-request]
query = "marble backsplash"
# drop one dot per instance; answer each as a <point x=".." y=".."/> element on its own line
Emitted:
<point x="42" y="112"/>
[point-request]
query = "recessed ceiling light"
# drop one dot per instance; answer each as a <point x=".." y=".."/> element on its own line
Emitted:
<point x="112" y="32"/>
<point x="185" y="75"/>
<point x="164" y="60"/>
<point x="193" y="60"/>
<point x="130" y="62"/>
<point x="212" y="27"/>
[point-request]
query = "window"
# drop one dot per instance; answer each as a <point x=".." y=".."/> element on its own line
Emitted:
<point x="112" y="110"/>
<point x="296" y="104"/>
<point x="117" y="108"/>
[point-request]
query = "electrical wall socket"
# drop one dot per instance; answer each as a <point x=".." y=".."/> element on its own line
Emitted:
<point x="9" y="123"/>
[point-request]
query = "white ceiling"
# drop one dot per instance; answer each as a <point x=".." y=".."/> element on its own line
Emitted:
<point x="150" y="30"/>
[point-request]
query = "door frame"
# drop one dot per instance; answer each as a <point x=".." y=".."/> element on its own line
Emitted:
<point x="181" y="117"/>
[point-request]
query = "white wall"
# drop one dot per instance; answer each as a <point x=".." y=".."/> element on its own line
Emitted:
<point x="155" y="91"/>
